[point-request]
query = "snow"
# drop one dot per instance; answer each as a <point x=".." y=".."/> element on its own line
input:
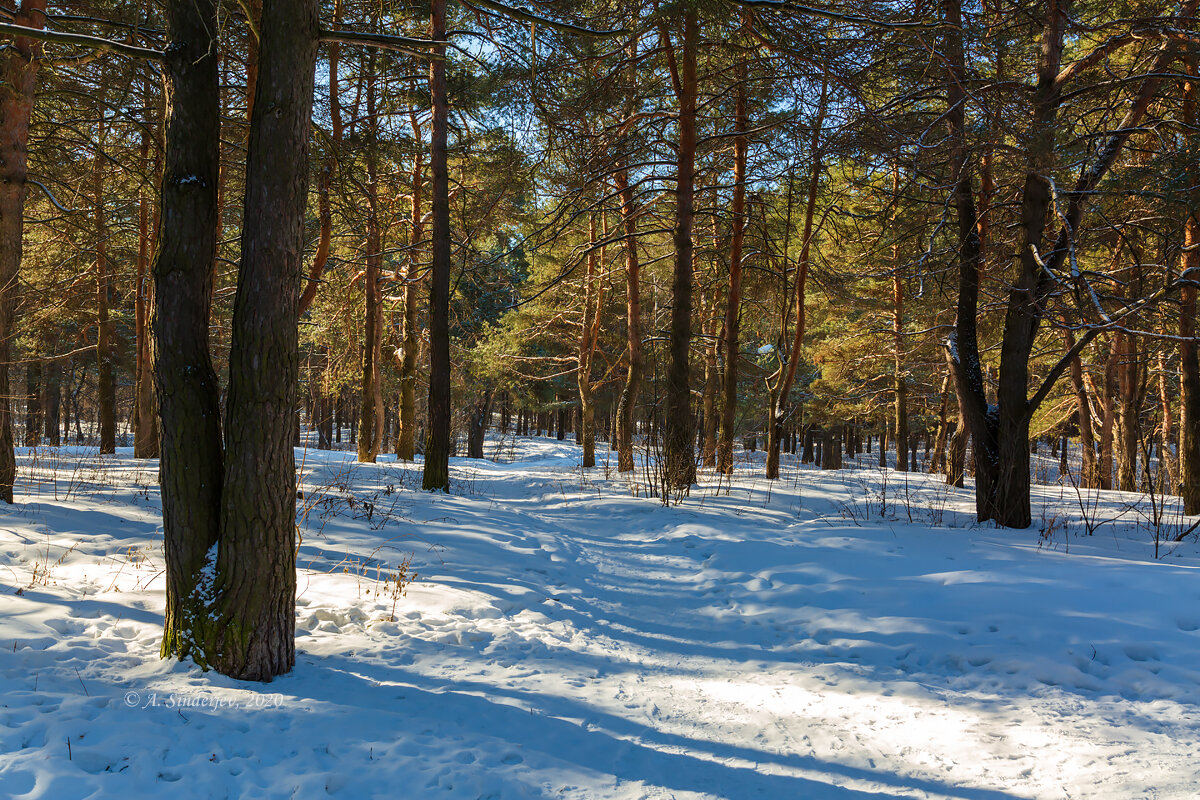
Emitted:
<point x="843" y="634"/>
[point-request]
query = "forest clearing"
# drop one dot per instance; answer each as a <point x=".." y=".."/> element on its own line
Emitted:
<point x="599" y="398"/>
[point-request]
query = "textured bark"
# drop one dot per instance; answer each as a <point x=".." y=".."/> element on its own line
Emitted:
<point x="250" y="631"/>
<point x="145" y="411"/>
<point x="733" y="299"/>
<point x="105" y="384"/>
<point x="18" y="71"/>
<point x="370" y="430"/>
<point x="406" y="441"/>
<point x="633" y="315"/>
<point x="190" y="470"/>
<point x="436" y="476"/>
<point x="324" y="215"/>
<point x="1189" y="362"/>
<point x="589" y="334"/>
<point x="678" y="454"/>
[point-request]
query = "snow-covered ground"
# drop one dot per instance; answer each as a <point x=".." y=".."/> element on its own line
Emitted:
<point x="846" y="634"/>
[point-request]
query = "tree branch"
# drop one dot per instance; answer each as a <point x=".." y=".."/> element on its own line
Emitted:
<point x="82" y="40"/>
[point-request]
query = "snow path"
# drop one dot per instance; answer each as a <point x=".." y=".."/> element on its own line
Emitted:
<point x="566" y="639"/>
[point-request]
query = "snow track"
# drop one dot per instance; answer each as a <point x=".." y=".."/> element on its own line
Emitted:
<point x="566" y="639"/>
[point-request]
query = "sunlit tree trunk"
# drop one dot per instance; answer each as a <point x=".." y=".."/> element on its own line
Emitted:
<point x="1189" y="362"/>
<point x="249" y="632"/>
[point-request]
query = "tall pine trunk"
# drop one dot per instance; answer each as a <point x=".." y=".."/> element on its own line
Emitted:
<point x="250" y="630"/>
<point x="733" y="299"/>
<point x="678" y="452"/>
<point x="370" y="432"/>
<point x="145" y="413"/>
<point x="190" y="470"/>
<point x="105" y="385"/>
<point x="436" y="476"/>
<point x="1189" y="362"/>
<point x="635" y="366"/>
<point x="406" y="440"/>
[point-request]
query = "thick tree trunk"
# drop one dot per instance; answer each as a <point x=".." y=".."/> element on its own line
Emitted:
<point x="18" y="71"/>
<point x="191" y="463"/>
<point x="436" y="476"/>
<point x="250" y="632"/>
<point x="678" y="454"/>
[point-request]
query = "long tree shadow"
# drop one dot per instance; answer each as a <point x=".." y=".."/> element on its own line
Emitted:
<point x="614" y="745"/>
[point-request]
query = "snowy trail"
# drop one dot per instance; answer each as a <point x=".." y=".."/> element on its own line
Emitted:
<point x="567" y="639"/>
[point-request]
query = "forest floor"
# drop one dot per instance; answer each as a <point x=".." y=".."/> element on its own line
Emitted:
<point x="843" y="634"/>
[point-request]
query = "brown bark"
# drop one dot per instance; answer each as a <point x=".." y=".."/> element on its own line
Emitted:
<point x="938" y="460"/>
<point x="1189" y="362"/>
<point x="633" y="316"/>
<point x="106" y="387"/>
<point x="1129" y="373"/>
<point x="145" y="414"/>
<point x="1088" y="478"/>
<point x="371" y="418"/>
<point x="733" y="299"/>
<point x="52" y="402"/>
<point x="33" y="403"/>
<point x="899" y="386"/>
<point x="784" y="378"/>
<point x="436" y="476"/>
<point x="678" y="453"/>
<point x="190" y="470"/>
<point x="406" y="440"/>
<point x="251" y="627"/>
<point x="589" y="334"/>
